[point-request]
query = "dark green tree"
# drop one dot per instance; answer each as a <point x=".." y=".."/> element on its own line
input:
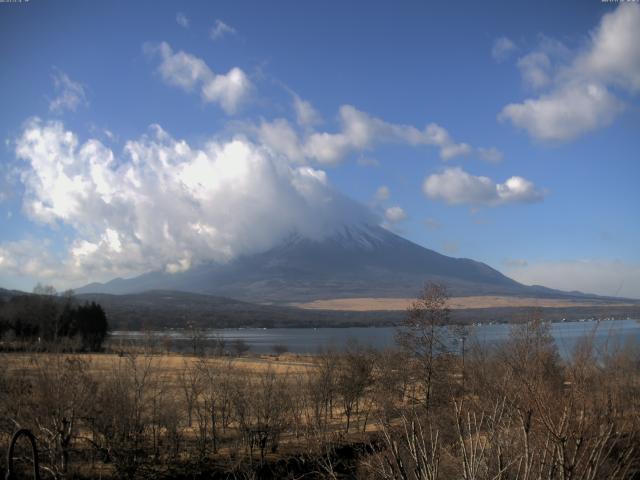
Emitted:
<point x="90" y="322"/>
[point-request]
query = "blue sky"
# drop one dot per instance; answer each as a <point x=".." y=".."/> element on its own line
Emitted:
<point x="154" y="135"/>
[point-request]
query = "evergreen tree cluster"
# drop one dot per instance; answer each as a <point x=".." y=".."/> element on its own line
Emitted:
<point x="47" y="317"/>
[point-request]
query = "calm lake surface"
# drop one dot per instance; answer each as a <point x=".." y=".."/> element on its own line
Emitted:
<point x="608" y="334"/>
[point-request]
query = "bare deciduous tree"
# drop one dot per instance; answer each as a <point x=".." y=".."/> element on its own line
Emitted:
<point x="420" y="333"/>
<point x="190" y="384"/>
<point x="240" y="347"/>
<point x="354" y="377"/>
<point x="280" y="349"/>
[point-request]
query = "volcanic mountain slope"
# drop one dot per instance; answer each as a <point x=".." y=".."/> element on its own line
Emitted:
<point x="355" y="261"/>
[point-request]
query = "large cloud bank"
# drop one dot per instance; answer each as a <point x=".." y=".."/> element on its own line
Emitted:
<point x="162" y="203"/>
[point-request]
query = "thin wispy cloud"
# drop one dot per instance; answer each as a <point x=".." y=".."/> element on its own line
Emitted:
<point x="190" y="73"/>
<point x="432" y="224"/>
<point x="367" y="162"/>
<point x="69" y="94"/>
<point x="450" y="247"/>
<point x="535" y="68"/>
<point x="221" y="29"/>
<point x="516" y="262"/>
<point x="605" y="277"/>
<point x="491" y="154"/>
<point x="182" y="20"/>
<point x="383" y="193"/>
<point x="306" y="114"/>
<point x="503" y="48"/>
<point x="361" y="132"/>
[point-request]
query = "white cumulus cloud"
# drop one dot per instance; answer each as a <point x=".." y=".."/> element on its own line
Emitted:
<point x="281" y="137"/>
<point x="190" y="73"/>
<point x="395" y="214"/>
<point x="614" y="54"/>
<point x="455" y="186"/>
<point x="579" y="94"/>
<point x="565" y="113"/>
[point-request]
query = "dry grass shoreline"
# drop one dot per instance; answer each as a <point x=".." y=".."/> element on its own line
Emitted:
<point x="366" y="304"/>
<point x="164" y="363"/>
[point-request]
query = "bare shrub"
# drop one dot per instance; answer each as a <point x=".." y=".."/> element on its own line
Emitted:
<point x="411" y="451"/>
<point x="62" y="392"/>
<point x="121" y="414"/>
<point x="261" y="409"/>
<point x="214" y="402"/>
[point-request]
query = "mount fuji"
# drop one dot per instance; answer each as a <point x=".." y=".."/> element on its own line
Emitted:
<point x="354" y="261"/>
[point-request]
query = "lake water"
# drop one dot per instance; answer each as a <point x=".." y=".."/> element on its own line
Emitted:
<point x="609" y="333"/>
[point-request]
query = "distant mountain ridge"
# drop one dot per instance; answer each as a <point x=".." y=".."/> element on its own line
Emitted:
<point x="355" y="261"/>
<point x="161" y="309"/>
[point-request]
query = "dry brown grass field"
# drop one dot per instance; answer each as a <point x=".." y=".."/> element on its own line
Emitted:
<point x="392" y="304"/>
<point x="174" y="393"/>
<point x="166" y="365"/>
